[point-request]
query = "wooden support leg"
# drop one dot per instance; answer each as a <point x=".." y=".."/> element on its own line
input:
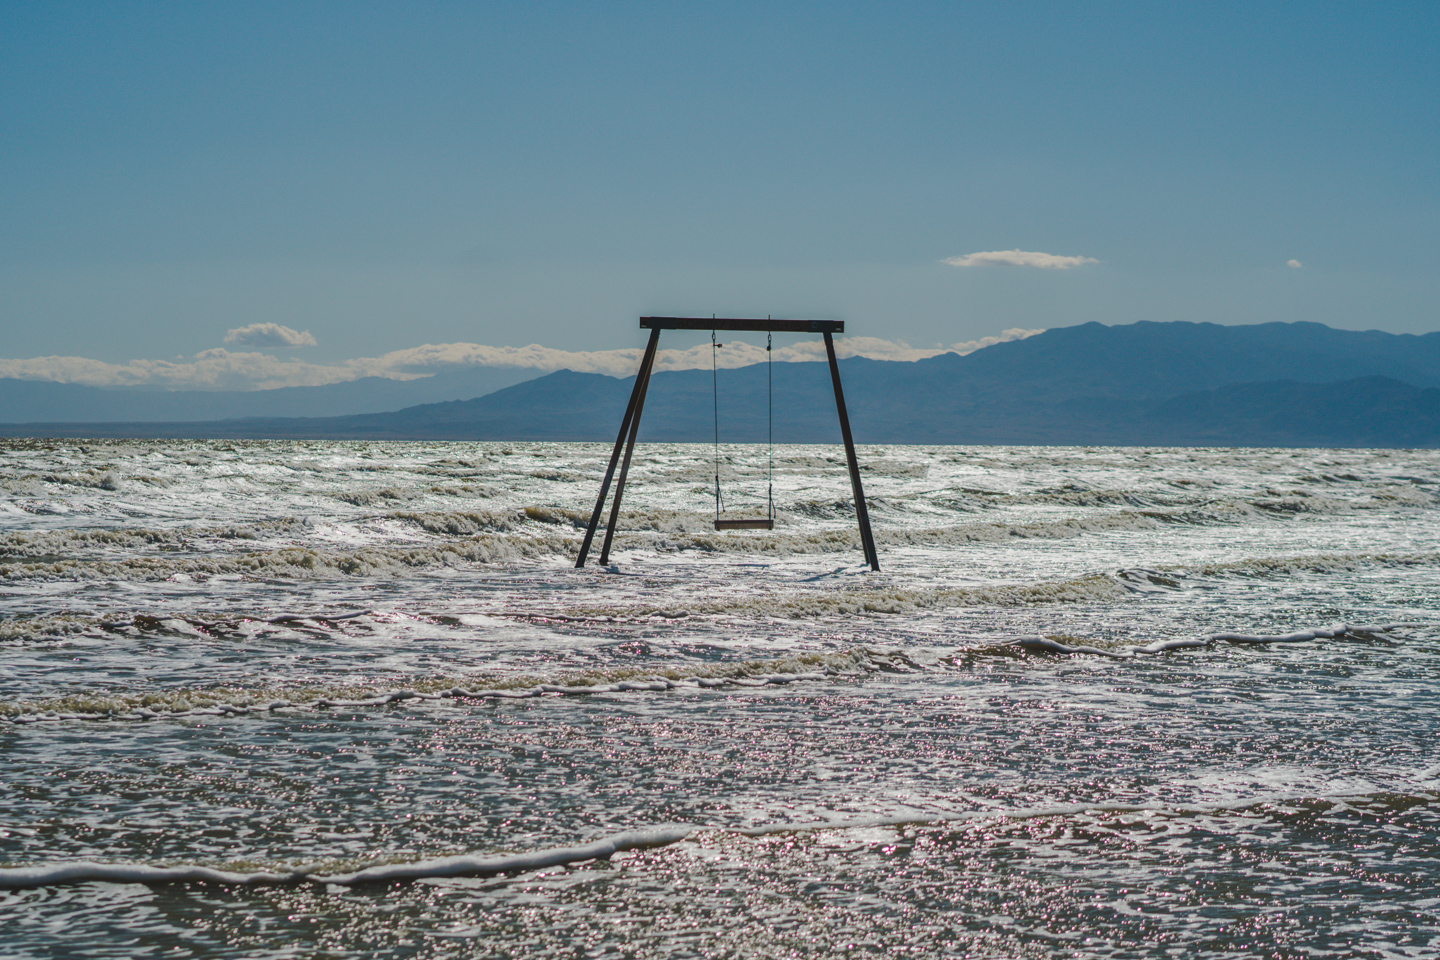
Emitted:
<point x="635" y="394"/>
<point x="867" y="540"/>
<point x="644" y="385"/>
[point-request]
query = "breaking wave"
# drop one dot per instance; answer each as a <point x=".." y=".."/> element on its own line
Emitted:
<point x="239" y="701"/>
<point x="398" y="869"/>
<point x="1074" y="645"/>
<point x="299" y="562"/>
<point x="849" y="601"/>
<point x="458" y="866"/>
<point x="233" y="700"/>
<point x="21" y="545"/>
<point x="1173" y="576"/>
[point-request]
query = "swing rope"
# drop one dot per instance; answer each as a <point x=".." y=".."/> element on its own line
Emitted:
<point x="715" y="346"/>
<point x="770" y="415"/>
<point x="715" y="401"/>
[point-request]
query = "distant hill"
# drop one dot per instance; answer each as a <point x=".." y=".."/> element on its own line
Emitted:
<point x="1363" y="412"/>
<point x="1275" y="384"/>
<point x="1150" y="360"/>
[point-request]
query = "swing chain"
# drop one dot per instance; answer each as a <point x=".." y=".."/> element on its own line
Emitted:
<point x="770" y="414"/>
<point x="715" y="346"/>
<point x="715" y="402"/>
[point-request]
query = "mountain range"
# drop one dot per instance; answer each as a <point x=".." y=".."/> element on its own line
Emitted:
<point x="1274" y="384"/>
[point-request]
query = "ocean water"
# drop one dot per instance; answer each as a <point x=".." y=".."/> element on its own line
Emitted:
<point x="326" y="699"/>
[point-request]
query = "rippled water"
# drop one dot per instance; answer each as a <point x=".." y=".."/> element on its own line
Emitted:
<point x="352" y="699"/>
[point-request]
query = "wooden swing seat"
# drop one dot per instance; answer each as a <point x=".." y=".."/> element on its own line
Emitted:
<point x="758" y="523"/>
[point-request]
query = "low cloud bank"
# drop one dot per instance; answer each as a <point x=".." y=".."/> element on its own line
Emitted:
<point x="221" y="369"/>
<point x="1018" y="258"/>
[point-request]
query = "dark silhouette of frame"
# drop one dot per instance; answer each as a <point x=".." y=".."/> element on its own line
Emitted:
<point x="630" y="425"/>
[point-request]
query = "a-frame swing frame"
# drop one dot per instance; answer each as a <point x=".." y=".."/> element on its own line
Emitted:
<point x="630" y="425"/>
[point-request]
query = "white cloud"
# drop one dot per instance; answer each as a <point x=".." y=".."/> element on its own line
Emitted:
<point x="217" y="369"/>
<point x="739" y="354"/>
<point x="221" y="369"/>
<point x="1294" y="263"/>
<point x="269" y="335"/>
<point x="1018" y="258"/>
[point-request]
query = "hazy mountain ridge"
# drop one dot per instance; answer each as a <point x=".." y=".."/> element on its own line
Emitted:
<point x="1275" y="384"/>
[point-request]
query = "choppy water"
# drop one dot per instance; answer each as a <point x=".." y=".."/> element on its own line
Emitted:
<point x="350" y="699"/>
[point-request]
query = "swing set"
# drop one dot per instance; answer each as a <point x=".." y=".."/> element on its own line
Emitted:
<point x="630" y="426"/>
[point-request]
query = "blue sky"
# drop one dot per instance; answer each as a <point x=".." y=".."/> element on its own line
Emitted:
<point x="382" y="176"/>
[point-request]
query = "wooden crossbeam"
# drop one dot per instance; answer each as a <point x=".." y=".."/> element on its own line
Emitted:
<point x="765" y="325"/>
